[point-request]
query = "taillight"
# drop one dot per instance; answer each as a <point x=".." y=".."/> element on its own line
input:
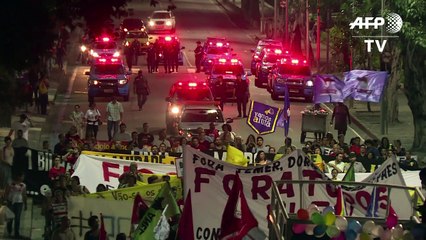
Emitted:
<point x="105" y="39"/>
<point x="192" y="84"/>
<point x="294" y="61"/>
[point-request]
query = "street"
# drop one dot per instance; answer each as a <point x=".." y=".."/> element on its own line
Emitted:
<point x="195" y="20"/>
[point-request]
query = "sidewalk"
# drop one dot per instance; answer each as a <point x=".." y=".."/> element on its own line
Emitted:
<point x="362" y="119"/>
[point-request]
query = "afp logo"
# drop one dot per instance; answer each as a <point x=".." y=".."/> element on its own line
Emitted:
<point x="393" y="23"/>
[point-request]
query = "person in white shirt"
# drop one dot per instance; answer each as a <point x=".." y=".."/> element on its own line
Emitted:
<point x="77" y="118"/>
<point x="162" y="138"/>
<point x="23" y="124"/>
<point x="114" y="111"/>
<point x="123" y="135"/>
<point x="358" y="167"/>
<point x="260" y="146"/>
<point x="92" y="117"/>
<point x="337" y="164"/>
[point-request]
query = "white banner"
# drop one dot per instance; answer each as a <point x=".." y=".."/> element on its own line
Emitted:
<point x="93" y="170"/>
<point x="116" y="215"/>
<point x="210" y="181"/>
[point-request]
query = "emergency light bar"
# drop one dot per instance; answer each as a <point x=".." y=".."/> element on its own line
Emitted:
<point x="219" y="44"/>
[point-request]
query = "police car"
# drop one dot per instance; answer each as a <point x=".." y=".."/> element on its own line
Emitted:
<point x="213" y="51"/>
<point x="104" y="47"/>
<point x="108" y="77"/>
<point x="196" y="115"/>
<point x="131" y="25"/>
<point x="269" y="59"/>
<point x="184" y="92"/>
<point x="161" y="21"/>
<point x="228" y="69"/>
<point x="262" y="44"/>
<point x="295" y="73"/>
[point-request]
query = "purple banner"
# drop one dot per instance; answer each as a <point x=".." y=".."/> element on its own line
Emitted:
<point x="262" y="118"/>
<point x="328" y="88"/>
<point x="364" y="85"/>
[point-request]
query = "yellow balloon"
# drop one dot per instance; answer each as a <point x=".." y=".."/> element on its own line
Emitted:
<point x="329" y="218"/>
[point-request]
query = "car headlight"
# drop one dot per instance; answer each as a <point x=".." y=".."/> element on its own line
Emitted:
<point x="83" y="48"/>
<point x="116" y="54"/>
<point x="125" y="29"/>
<point x="264" y="67"/>
<point x="168" y="23"/>
<point x="94" y="82"/>
<point x="280" y="80"/>
<point x="122" y="81"/>
<point x="309" y="83"/>
<point x="151" y="23"/>
<point x="147" y="43"/>
<point x="175" y="110"/>
<point x="95" y="54"/>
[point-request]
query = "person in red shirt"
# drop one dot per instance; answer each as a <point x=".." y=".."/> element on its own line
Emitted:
<point x="195" y="143"/>
<point x="212" y="131"/>
<point x="57" y="170"/>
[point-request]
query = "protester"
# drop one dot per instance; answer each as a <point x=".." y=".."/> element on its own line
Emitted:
<point x="162" y="138"/>
<point x="145" y="133"/>
<point x="227" y="136"/>
<point x="6" y="163"/>
<point x="115" y="112"/>
<point x="20" y="148"/>
<point x="77" y="118"/>
<point x="141" y="89"/>
<point x="64" y="231"/>
<point x="122" y="135"/>
<point x="93" y="120"/>
<point x="93" y="233"/>
<point x="260" y="145"/>
<point x="16" y="195"/>
<point x="24" y="124"/>
<point x="337" y="164"/>
<point x="342" y="118"/>
<point x="198" y="56"/>
<point x="251" y="143"/>
<point x="358" y="167"/>
<point x="242" y="95"/>
<point x="261" y="158"/>
<point x="43" y="89"/>
<point x="56" y="169"/>
<point x="101" y="188"/>
<point x="76" y="188"/>
<point x="212" y="132"/>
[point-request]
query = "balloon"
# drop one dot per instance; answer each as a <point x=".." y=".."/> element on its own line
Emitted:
<point x="377" y="231"/>
<point x="327" y="210"/>
<point x="319" y="230"/>
<point x="364" y="236"/>
<point x="332" y="231"/>
<point x="391" y="221"/>
<point x="298" y="228"/>
<point x="316" y="218"/>
<point x="329" y="218"/>
<point x="309" y="230"/>
<point x="398" y="232"/>
<point x="387" y="235"/>
<point x="340" y="237"/>
<point x="351" y="234"/>
<point x="341" y="223"/>
<point x="312" y="206"/>
<point x="368" y="226"/>
<point x="302" y="214"/>
<point x="355" y="226"/>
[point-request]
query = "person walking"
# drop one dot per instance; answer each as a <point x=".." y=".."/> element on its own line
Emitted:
<point x="222" y="91"/>
<point x="23" y="124"/>
<point x="342" y="118"/>
<point x="129" y="52"/>
<point x="150" y="59"/>
<point x="175" y="54"/>
<point x="141" y="89"/>
<point x="242" y="95"/>
<point x="77" y="118"/>
<point x="43" y="90"/>
<point x="114" y="111"/>
<point x="198" y="56"/>
<point x="6" y="163"/>
<point x="92" y="118"/>
<point x="136" y="45"/>
<point x="16" y="195"/>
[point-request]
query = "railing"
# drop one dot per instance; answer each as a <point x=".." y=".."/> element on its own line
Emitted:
<point x="280" y="220"/>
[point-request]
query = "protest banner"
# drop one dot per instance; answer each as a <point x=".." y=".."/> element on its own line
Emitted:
<point x="102" y="145"/>
<point x="147" y="191"/>
<point x="328" y="88"/>
<point x="116" y="215"/>
<point x="93" y="170"/>
<point x="210" y="181"/>
<point x="364" y="85"/>
<point x="136" y="156"/>
<point x="262" y="118"/>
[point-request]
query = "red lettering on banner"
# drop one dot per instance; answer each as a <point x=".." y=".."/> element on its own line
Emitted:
<point x="198" y="179"/>
<point x="349" y="200"/>
<point x="126" y="168"/>
<point x="261" y="190"/>
<point x="383" y="198"/>
<point x="321" y="203"/>
<point x="225" y="181"/>
<point x="312" y="174"/>
<point x="289" y="187"/>
<point x="331" y="190"/>
<point x="106" y="169"/>
<point x="363" y="198"/>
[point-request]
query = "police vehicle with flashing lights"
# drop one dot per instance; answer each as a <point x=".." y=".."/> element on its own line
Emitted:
<point x="211" y="42"/>
<point x="161" y="42"/>
<point x="228" y="69"/>
<point x="294" y="73"/>
<point x="108" y="77"/>
<point x="213" y="52"/>
<point x="263" y="68"/>
<point x="262" y="44"/>
<point x="196" y="115"/>
<point x="185" y="92"/>
<point x="104" y="47"/>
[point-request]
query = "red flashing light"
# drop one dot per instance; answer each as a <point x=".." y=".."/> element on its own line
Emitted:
<point x="210" y="43"/>
<point x="180" y="83"/>
<point x="222" y="60"/>
<point x="209" y="61"/>
<point x="168" y="38"/>
<point x="219" y="44"/>
<point x="192" y="84"/>
<point x="105" y="39"/>
<point x="204" y="84"/>
<point x="102" y="60"/>
<point x="304" y="61"/>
